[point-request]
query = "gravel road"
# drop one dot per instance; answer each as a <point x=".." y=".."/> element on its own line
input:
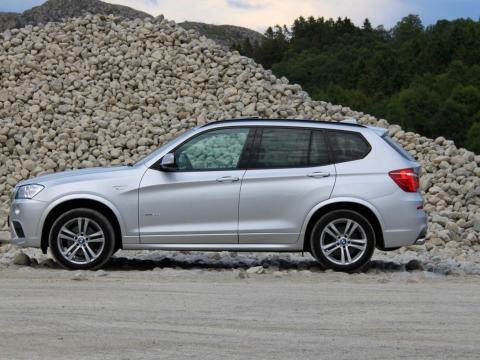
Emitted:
<point x="229" y="314"/>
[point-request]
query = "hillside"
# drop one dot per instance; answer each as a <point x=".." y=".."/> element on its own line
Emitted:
<point x="226" y="35"/>
<point x="426" y="79"/>
<point x="58" y="10"/>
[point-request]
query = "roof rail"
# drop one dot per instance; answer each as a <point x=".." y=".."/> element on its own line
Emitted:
<point x="349" y="120"/>
<point x="250" y="118"/>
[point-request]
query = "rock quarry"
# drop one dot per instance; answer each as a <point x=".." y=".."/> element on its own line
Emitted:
<point x="102" y="90"/>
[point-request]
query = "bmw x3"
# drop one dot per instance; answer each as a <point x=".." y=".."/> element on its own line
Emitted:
<point x="336" y="190"/>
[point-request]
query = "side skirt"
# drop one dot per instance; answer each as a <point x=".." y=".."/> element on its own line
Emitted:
<point x="217" y="247"/>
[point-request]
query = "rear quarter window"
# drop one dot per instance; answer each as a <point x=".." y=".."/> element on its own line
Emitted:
<point x="398" y="148"/>
<point x="348" y="146"/>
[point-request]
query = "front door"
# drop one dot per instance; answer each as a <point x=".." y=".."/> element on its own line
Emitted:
<point x="197" y="201"/>
<point x="291" y="173"/>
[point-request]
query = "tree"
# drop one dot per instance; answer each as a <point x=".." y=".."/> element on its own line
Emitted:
<point x="407" y="28"/>
<point x="273" y="47"/>
<point x="473" y="136"/>
<point x="367" y="25"/>
<point x="425" y="79"/>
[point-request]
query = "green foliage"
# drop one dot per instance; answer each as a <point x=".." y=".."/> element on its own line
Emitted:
<point x="427" y="79"/>
<point x="409" y="28"/>
<point x="473" y="136"/>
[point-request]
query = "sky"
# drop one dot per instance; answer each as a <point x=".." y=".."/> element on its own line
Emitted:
<point x="259" y="14"/>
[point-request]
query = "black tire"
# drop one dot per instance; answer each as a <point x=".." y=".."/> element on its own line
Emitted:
<point x="96" y="220"/>
<point x="359" y="258"/>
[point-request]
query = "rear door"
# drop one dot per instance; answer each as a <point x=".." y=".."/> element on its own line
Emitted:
<point x="290" y="172"/>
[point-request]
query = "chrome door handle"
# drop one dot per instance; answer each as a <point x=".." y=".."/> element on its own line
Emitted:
<point x="228" y="179"/>
<point x="319" y="174"/>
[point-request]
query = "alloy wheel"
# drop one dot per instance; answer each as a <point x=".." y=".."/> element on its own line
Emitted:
<point x="343" y="241"/>
<point x="81" y="240"/>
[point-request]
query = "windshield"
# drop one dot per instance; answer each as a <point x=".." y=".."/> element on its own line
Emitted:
<point x="162" y="148"/>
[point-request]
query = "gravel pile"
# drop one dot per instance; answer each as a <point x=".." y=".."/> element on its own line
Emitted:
<point x="99" y="91"/>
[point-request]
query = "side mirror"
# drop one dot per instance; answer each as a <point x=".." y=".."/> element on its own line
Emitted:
<point x="168" y="161"/>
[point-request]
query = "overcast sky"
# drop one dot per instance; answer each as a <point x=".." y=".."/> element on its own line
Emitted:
<point x="258" y="14"/>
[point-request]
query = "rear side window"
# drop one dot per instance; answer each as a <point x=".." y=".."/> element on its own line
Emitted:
<point x="398" y="148"/>
<point x="289" y="148"/>
<point x="348" y="146"/>
<point x="280" y="148"/>
<point x="319" y="154"/>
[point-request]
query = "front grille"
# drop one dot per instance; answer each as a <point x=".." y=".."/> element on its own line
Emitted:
<point x="18" y="229"/>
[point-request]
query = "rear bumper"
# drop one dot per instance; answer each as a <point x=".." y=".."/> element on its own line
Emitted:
<point x="404" y="220"/>
<point x="414" y="235"/>
<point x="422" y="237"/>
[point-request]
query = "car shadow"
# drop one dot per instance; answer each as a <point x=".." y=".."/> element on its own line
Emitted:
<point x="186" y="262"/>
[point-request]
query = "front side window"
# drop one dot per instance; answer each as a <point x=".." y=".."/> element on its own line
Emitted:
<point x="215" y="150"/>
<point x="348" y="146"/>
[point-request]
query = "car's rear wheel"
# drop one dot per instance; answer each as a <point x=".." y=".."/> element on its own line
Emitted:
<point x="82" y="239"/>
<point x="343" y="240"/>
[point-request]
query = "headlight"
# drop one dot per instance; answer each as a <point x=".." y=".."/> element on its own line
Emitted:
<point x="28" y="191"/>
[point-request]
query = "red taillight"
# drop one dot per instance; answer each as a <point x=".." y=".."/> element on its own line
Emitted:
<point x="407" y="179"/>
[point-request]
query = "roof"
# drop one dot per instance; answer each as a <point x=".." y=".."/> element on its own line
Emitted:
<point x="305" y="121"/>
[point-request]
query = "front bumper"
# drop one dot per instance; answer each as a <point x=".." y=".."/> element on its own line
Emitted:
<point x="25" y="222"/>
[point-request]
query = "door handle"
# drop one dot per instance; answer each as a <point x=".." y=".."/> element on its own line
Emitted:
<point x="228" y="179"/>
<point x="319" y="174"/>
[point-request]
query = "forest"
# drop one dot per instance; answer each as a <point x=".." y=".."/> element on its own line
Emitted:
<point x="425" y="78"/>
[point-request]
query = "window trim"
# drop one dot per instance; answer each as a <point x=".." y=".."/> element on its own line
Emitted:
<point x="251" y="132"/>
<point x="258" y="137"/>
<point x="252" y="142"/>
<point x="330" y="145"/>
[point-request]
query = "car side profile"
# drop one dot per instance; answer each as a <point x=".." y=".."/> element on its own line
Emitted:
<point x="336" y="190"/>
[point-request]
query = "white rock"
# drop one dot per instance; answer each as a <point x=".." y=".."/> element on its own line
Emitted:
<point x="256" y="270"/>
<point x="104" y="105"/>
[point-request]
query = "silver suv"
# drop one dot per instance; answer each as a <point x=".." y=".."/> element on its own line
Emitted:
<point x="337" y="190"/>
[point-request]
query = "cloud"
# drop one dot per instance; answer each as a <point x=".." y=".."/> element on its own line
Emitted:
<point x="246" y="4"/>
<point x="259" y="14"/>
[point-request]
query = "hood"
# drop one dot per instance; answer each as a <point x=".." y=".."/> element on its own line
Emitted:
<point x="79" y="175"/>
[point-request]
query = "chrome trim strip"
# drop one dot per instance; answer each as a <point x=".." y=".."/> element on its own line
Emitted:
<point x="215" y="247"/>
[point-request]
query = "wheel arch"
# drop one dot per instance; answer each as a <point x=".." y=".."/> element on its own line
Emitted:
<point x="94" y="203"/>
<point x="358" y="205"/>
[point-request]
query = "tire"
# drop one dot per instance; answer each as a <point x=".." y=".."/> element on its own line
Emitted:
<point x="348" y="245"/>
<point x="82" y="239"/>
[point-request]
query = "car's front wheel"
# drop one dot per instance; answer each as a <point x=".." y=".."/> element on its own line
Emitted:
<point x="343" y="240"/>
<point x="82" y="239"/>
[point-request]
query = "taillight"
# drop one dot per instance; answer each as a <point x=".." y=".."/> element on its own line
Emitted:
<point x="407" y="179"/>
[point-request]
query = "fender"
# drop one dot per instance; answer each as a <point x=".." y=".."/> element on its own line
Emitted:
<point x="333" y="201"/>
<point x="81" y="196"/>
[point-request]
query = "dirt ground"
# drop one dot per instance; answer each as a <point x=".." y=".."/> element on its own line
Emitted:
<point x="231" y="314"/>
